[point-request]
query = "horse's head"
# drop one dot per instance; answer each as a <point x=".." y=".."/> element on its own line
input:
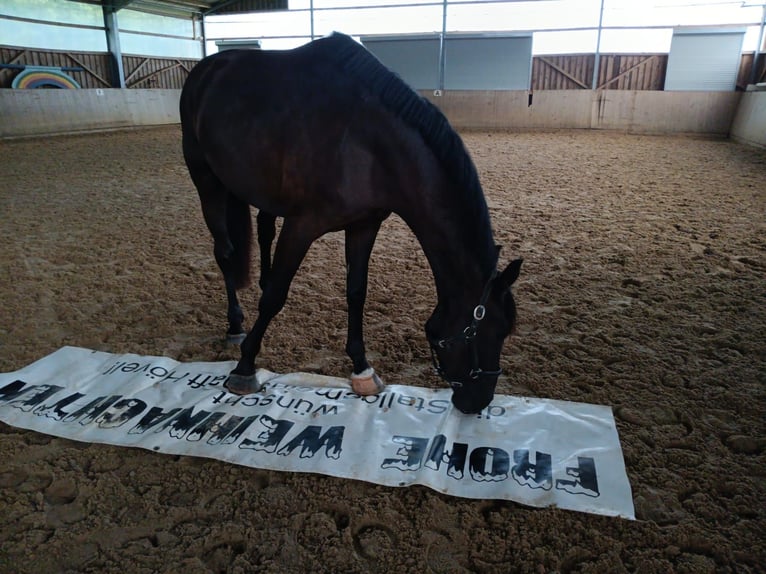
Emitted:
<point x="466" y="340"/>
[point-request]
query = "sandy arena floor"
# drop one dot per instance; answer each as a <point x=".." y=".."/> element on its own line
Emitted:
<point x="643" y="288"/>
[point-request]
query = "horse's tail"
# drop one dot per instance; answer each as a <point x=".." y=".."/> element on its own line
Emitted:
<point x="240" y="228"/>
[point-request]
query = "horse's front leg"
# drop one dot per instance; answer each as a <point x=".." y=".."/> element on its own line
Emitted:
<point x="360" y="239"/>
<point x="293" y="244"/>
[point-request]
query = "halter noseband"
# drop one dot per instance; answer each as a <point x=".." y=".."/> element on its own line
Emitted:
<point x="467" y="337"/>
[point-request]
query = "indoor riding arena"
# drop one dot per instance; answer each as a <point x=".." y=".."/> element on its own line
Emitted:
<point x="639" y="212"/>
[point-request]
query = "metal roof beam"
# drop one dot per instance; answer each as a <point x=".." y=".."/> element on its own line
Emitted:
<point x="216" y="6"/>
<point x="251" y="6"/>
<point x="188" y="8"/>
<point x="116" y="5"/>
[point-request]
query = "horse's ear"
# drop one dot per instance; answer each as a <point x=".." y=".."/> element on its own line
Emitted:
<point x="510" y="273"/>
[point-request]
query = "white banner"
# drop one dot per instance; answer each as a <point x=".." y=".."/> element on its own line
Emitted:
<point x="532" y="451"/>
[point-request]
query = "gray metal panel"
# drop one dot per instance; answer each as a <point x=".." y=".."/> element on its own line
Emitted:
<point x="416" y="60"/>
<point x="488" y="63"/>
<point x="704" y="60"/>
<point x="224" y="45"/>
<point x="473" y="61"/>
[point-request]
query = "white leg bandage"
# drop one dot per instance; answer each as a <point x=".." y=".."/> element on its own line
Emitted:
<point x="366" y="383"/>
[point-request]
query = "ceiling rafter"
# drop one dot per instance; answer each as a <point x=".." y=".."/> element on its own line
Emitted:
<point x="189" y="8"/>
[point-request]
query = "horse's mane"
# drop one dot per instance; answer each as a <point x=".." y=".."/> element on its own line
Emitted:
<point x="433" y="127"/>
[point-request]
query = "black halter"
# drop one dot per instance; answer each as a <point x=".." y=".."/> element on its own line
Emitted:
<point x="466" y="337"/>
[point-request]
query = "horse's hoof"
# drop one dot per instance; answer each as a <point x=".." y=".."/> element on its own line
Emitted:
<point x="367" y="383"/>
<point x="235" y="338"/>
<point x="242" y="384"/>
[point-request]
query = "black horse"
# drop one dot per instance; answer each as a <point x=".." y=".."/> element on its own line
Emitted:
<point x="327" y="138"/>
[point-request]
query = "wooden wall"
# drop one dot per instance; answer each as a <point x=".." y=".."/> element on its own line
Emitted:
<point x="616" y="72"/>
<point x="746" y="69"/>
<point x="145" y="72"/>
<point x="563" y="72"/>
<point x="96" y="68"/>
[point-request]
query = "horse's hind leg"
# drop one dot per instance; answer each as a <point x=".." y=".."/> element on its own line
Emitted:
<point x="360" y="239"/>
<point x="266" y="233"/>
<point x="228" y="220"/>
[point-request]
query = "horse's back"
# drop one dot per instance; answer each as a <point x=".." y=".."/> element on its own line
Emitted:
<point x="265" y="119"/>
<point x="312" y="129"/>
<point x="236" y="85"/>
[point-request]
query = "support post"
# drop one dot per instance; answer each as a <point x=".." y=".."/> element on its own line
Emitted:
<point x="311" y="14"/>
<point x="113" y="45"/>
<point x="597" y="63"/>
<point x="442" y="47"/>
<point x="204" y="37"/>
<point x="757" y="53"/>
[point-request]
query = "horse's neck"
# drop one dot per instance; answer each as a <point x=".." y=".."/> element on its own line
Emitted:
<point x="453" y="229"/>
<point x="459" y="261"/>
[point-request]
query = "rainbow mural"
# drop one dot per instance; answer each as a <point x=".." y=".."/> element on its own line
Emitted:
<point x="33" y="77"/>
